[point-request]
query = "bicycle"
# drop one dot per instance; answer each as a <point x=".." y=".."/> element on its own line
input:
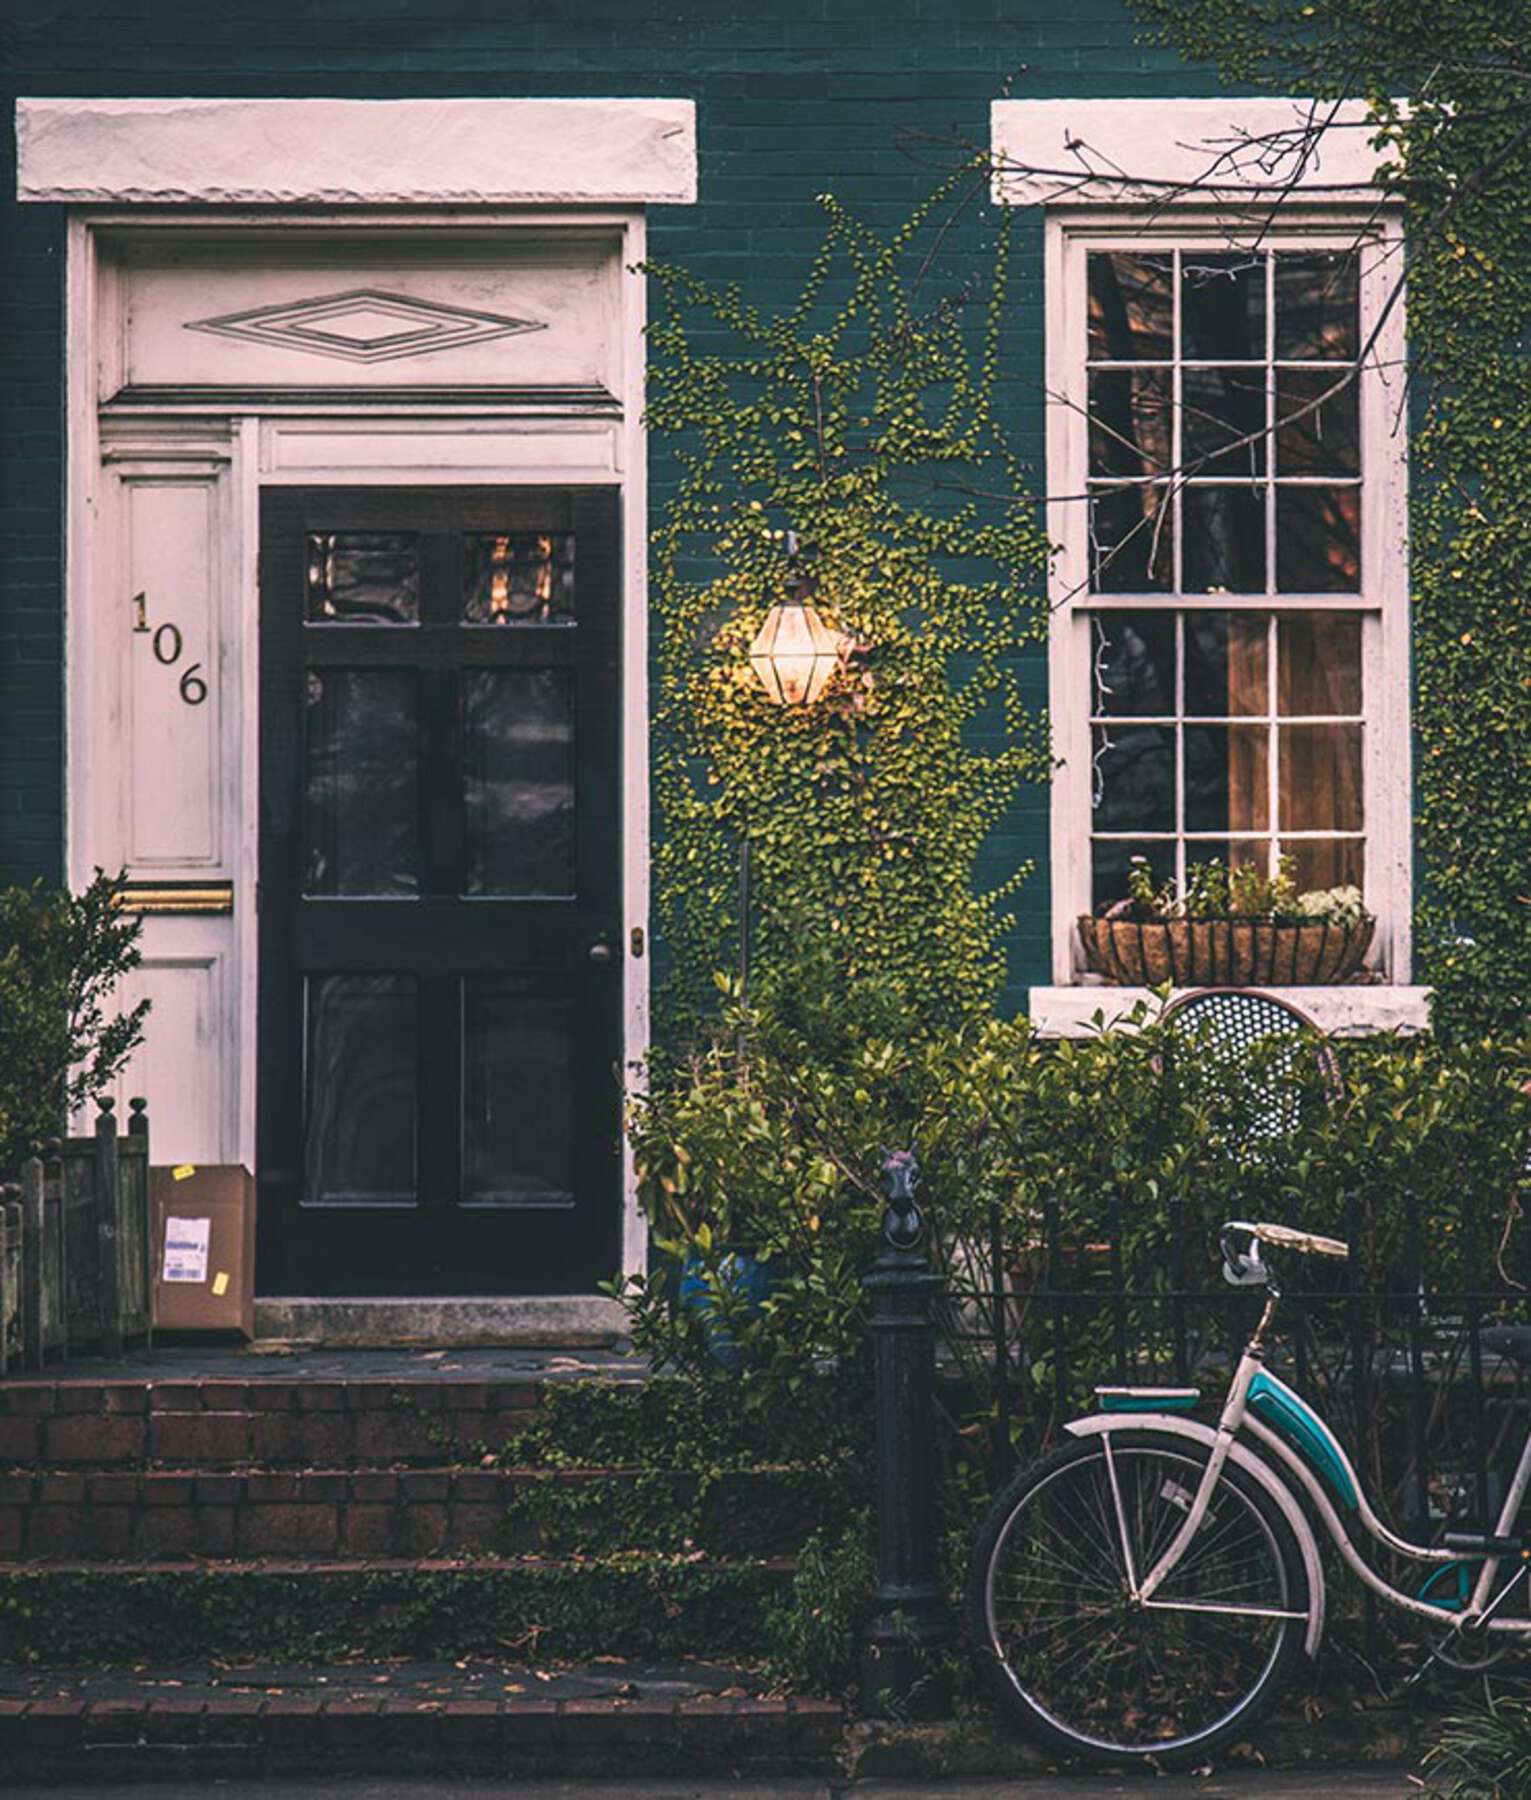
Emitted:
<point x="1144" y="1593"/>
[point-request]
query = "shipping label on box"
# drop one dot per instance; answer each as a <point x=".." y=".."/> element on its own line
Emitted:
<point x="186" y="1245"/>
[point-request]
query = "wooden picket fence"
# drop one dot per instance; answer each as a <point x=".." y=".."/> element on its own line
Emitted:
<point x="75" y="1268"/>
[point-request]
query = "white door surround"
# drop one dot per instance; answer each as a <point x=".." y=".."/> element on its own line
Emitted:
<point x="212" y="353"/>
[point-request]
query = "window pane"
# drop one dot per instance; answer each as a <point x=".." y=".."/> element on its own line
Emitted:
<point x="1222" y="407"/>
<point x="364" y="577"/>
<point x="1225" y="664"/>
<point x="1222" y="307"/>
<point x="518" y="780"/>
<point x="1129" y="421"/>
<point x="1134" y="663"/>
<point x="1226" y="782"/>
<point x="518" y="1123"/>
<point x="1318" y="540"/>
<point x="1112" y="858"/>
<point x="1319" y="660"/>
<point x="1320" y="777"/>
<point x="1317" y="311"/>
<point x="1130" y="544"/>
<point x="1135" y="777"/>
<point x="361" y="815"/>
<point x="1131" y="315"/>
<point x="1325" y="441"/>
<point x="1224" y="540"/>
<point x="519" y="578"/>
<point x="360" y="1087"/>
<point x="1328" y="862"/>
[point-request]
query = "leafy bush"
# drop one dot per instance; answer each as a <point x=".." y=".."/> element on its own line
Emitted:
<point x="61" y="957"/>
<point x="813" y="1637"/>
<point x="1485" y="1754"/>
<point x="769" y="1140"/>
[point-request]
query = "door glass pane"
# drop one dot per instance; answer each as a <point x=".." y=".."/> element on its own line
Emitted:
<point x="518" y="1086"/>
<point x="1131" y="307"/>
<point x="518" y="578"/>
<point x="363" y="577"/>
<point x="518" y="781"/>
<point x="360" y="1089"/>
<point x="361" y="783"/>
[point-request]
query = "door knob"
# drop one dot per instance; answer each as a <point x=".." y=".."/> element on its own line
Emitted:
<point x="600" y="951"/>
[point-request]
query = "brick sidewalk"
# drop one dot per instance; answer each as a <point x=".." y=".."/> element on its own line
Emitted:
<point x="476" y="1718"/>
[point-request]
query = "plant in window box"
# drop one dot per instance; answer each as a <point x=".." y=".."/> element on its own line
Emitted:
<point x="1228" y="927"/>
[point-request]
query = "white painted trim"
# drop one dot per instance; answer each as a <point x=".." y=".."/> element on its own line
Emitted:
<point x="359" y="438"/>
<point x="1384" y="600"/>
<point x="1156" y="151"/>
<point x="308" y="152"/>
<point x="1339" y="1011"/>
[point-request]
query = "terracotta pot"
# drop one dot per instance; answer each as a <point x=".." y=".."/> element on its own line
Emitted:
<point x="1224" y="952"/>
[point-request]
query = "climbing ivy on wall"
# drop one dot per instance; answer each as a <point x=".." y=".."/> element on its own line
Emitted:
<point x="862" y="418"/>
<point x="1458" y="157"/>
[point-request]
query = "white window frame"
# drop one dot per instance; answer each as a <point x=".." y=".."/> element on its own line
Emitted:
<point x="1382" y="603"/>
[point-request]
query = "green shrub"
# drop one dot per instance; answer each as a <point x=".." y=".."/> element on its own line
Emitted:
<point x="1485" y="1753"/>
<point x="813" y="1637"/>
<point x="61" y="956"/>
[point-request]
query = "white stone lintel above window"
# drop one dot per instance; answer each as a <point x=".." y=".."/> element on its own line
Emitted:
<point x="1146" y="152"/>
<point x="1345" y="1011"/>
<point x="290" y="152"/>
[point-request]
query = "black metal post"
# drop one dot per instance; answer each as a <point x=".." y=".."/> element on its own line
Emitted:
<point x="901" y="1671"/>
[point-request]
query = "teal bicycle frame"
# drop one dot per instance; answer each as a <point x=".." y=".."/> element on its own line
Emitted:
<point x="1275" y="1437"/>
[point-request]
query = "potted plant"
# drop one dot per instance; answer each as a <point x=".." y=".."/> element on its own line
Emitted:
<point x="1235" y="927"/>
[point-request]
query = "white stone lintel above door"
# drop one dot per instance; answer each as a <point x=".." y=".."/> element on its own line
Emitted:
<point x="286" y="152"/>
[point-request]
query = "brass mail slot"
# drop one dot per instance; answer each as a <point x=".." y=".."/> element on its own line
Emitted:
<point x="177" y="897"/>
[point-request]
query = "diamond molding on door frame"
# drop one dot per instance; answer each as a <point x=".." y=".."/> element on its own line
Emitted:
<point x="318" y="326"/>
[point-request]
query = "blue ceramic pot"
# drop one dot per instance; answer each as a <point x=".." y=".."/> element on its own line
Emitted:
<point x="746" y="1278"/>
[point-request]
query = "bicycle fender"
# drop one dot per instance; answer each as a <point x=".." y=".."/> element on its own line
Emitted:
<point x="1173" y="1425"/>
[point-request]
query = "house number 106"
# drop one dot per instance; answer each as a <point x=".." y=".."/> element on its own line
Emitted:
<point x="165" y="642"/>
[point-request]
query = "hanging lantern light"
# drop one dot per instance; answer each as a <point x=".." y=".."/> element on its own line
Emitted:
<point x="795" y="653"/>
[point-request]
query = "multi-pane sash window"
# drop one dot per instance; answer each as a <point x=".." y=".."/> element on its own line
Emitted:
<point x="1222" y="504"/>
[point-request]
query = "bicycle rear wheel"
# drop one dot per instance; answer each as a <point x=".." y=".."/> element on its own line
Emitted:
<point x="1068" y="1654"/>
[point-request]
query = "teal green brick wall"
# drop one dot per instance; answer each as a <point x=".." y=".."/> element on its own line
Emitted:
<point x="794" y="97"/>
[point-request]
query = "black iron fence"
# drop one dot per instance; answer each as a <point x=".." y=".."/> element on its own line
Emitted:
<point x="1388" y="1345"/>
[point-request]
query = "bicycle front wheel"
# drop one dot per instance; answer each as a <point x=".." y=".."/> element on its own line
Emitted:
<point x="1080" y="1665"/>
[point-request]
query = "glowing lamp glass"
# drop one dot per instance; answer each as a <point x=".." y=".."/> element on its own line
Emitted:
<point x="795" y="653"/>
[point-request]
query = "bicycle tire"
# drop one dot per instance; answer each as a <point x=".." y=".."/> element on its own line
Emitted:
<point x="1154" y="1727"/>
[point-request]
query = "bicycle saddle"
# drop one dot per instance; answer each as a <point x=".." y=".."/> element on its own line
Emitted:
<point x="1513" y="1341"/>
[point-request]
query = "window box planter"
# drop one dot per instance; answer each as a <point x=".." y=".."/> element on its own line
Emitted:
<point x="1224" y="952"/>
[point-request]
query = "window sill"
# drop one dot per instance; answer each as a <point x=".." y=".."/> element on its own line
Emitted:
<point x="1342" y="1011"/>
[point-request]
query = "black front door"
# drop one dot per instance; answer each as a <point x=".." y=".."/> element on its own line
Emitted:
<point x="440" y="974"/>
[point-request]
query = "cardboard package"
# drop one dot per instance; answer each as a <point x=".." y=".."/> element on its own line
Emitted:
<point x="203" y="1220"/>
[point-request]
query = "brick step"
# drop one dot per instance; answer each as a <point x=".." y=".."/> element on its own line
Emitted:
<point x="437" y="1719"/>
<point x="60" y="1421"/>
<point x="311" y="1610"/>
<point x="83" y="1515"/>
